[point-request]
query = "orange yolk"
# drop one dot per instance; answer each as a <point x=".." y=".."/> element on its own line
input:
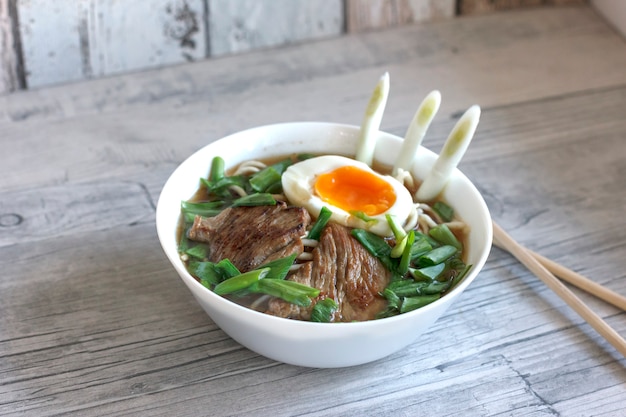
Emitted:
<point x="353" y="189"/>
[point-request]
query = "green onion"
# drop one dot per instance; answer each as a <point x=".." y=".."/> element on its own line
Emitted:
<point x="453" y="150"/>
<point x="320" y="223"/>
<point x="240" y="282"/>
<point x="420" y="247"/>
<point x="323" y="310"/>
<point x="204" y="209"/>
<point x="183" y="243"/>
<point x="405" y="260"/>
<point x="290" y="291"/>
<point x="217" y="169"/>
<point x="210" y="273"/>
<point x="437" y="255"/>
<point x="221" y="187"/>
<point x="279" y="268"/>
<point x="409" y="287"/>
<point x="460" y="276"/>
<point x="199" y="251"/>
<point x="398" y="249"/>
<point x="416" y="131"/>
<point x="444" y="211"/>
<point x="432" y="242"/>
<point x="375" y="245"/>
<point x="371" y="122"/>
<point x="393" y="301"/>
<point x="396" y="228"/>
<point x="362" y="216"/>
<point x="227" y="269"/>
<point x="444" y="235"/>
<point x="305" y="156"/>
<point x="429" y="273"/>
<point x="399" y="234"/>
<point x="269" y="176"/>
<point x="276" y="188"/>
<point x="281" y="166"/>
<point x="413" y="303"/>
<point x="265" y="178"/>
<point x="250" y="200"/>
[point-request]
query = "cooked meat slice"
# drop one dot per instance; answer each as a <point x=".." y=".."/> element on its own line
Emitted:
<point x="252" y="236"/>
<point x="343" y="270"/>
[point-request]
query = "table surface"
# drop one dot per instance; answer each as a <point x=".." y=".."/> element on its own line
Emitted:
<point x="94" y="321"/>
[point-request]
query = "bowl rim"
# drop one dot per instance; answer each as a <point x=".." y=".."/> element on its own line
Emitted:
<point x="177" y="263"/>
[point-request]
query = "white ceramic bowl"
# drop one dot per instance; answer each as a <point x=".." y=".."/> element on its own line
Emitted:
<point x="305" y="343"/>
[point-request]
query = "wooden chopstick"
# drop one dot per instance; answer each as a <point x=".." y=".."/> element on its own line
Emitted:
<point x="581" y="281"/>
<point x="577" y="279"/>
<point x="502" y="239"/>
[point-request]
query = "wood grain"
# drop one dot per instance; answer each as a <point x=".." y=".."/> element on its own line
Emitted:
<point x="363" y="15"/>
<point x="245" y="25"/>
<point x="68" y="41"/>
<point x="11" y="71"/>
<point x="94" y="320"/>
<point x="467" y="7"/>
<point x="505" y="241"/>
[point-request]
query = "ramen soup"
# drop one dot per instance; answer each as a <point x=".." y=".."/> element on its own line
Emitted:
<point x="320" y="238"/>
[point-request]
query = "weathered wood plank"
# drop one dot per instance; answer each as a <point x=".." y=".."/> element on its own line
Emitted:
<point x="119" y="116"/>
<point x="35" y="214"/>
<point x="124" y="359"/>
<point x="363" y="15"/>
<point x="11" y="76"/>
<point x="155" y="365"/>
<point x="614" y="11"/>
<point x="68" y="41"/>
<point x="486" y="309"/>
<point x="517" y="40"/>
<point x="467" y="7"/>
<point x="244" y="25"/>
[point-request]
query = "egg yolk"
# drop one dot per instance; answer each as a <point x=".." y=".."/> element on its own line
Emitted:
<point x="354" y="189"/>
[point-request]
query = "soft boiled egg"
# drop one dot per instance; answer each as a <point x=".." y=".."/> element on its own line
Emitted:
<point x="356" y="195"/>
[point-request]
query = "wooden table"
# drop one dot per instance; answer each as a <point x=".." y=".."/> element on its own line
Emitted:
<point x="94" y="321"/>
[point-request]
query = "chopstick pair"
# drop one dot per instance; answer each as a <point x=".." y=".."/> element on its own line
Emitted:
<point x="548" y="270"/>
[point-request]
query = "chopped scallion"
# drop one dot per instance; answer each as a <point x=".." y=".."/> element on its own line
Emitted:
<point x="211" y="274"/>
<point x="437" y="255"/>
<point x="393" y="301"/>
<point x="261" y="199"/>
<point x="444" y="211"/>
<point x="217" y="169"/>
<point x="362" y="216"/>
<point x="413" y="303"/>
<point x="265" y="178"/>
<point x="204" y="209"/>
<point x="405" y="260"/>
<point x="429" y="273"/>
<point x="444" y="235"/>
<point x="320" y="223"/>
<point x="323" y="310"/>
<point x="290" y="291"/>
<point x="279" y="268"/>
<point x="420" y="247"/>
<point x="199" y="251"/>
<point x="240" y="282"/>
<point x="375" y="245"/>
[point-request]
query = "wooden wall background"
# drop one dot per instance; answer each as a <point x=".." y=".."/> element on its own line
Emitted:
<point x="45" y="42"/>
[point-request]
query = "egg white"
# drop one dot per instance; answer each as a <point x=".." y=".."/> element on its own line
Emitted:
<point x="298" y="183"/>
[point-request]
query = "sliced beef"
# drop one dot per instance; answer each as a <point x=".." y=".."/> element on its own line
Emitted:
<point x="252" y="236"/>
<point x="343" y="270"/>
